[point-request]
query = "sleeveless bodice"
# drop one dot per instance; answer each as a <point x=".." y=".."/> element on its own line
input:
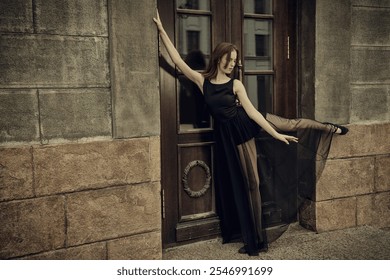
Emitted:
<point x="230" y="118"/>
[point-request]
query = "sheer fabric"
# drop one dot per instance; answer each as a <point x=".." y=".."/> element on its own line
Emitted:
<point x="253" y="170"/>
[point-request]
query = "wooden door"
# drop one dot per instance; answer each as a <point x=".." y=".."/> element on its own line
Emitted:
<point x="268" y="42"/>
<point x="196" y="27"/>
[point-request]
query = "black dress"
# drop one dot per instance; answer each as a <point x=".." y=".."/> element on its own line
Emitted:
<point x="237" y="182"/>
<point x="237" y="188"/>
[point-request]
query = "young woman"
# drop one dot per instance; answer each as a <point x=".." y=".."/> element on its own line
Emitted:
<point x="236" y="123"/>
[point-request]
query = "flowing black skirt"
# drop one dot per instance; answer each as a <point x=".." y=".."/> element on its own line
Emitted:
<point x="255" y="172"/>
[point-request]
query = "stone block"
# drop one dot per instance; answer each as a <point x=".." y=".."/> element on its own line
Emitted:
<point x="134" y="51"/>
<point x="372" y="3"/>
<point x="32" y="61"/>
<point x="362" y="140"/>
<point x="16" y="16"/>
<point x="75" y="114"/>
<point x="113" y="212"/>
<point x="155" y="158"/>
<point x="146" y="246"/>
<point x="136" y="106"/>
<point x="72" y="17"/>
<point x="363" y="21"/>
<point x="382" y="175"/>
<point x="332" y="61"/>
<point x="370" y="103"/>
<point x="374" y="210"/>
<point x="75" y="167"/>
<point x="346" y="177"/>
<point x="31" y="226"/>
<point x="16" y="173"/>
<point x="335" y="214"/>
<point x="96" y="251"/>
<point x="134" y="66"/>
<point x="370" y="65"/>
<point x="19" y="120"/>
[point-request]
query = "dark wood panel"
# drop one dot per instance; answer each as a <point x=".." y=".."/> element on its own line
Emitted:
<point x="285" y="97"/>
<point x="195" y="182"/>
<point x="198" y="230"/>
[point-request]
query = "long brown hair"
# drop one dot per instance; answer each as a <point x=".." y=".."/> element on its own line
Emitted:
<point x="220" y="50"/>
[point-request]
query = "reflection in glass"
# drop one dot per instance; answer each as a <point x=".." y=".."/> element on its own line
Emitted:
<point x="193" y="4"/>
<point x="193" y="34"/>
<point x="258" y="6"/>
<point x="194" y="40"/>
<point x="260" y="89"/>
<point x="258" y="44"/>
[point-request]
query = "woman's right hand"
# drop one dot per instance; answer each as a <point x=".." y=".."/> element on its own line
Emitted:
<point x="158" y="22"/>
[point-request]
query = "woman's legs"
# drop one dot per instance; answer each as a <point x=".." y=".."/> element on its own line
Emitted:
<point x="248" y="158"/>
<point x="283" y="124"/>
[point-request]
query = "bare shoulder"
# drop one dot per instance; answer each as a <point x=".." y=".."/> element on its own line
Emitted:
<point x="238" y="86"/>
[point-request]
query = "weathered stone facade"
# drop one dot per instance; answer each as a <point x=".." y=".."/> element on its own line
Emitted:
<point x="352" y="85"/>
<point x="71" y="185"/>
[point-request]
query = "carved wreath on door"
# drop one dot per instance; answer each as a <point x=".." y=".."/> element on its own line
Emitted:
<point x="206" y="186"/>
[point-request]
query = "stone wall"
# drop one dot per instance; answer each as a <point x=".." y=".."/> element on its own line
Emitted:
<point x="79" y="161"/>
<point x="353" y="86"/>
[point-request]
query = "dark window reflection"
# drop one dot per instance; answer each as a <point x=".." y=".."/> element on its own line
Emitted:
<point x="258" y="44"/>
<point x="258" y="6"/>
<point x="193" y="4"/>
<point x="193" y="110"/>
<point x="260" y="91"/>
<point x="194" y="40"/>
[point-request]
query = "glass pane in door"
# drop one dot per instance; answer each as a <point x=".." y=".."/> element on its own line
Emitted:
<point x="193" y="4"/>
<point x="194" y="44"/>
<point x="260" y="90"/>
<point x="258" y="44"/>
<point x="258" y="6"/>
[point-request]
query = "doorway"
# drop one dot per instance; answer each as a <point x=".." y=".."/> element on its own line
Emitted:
<point x="264" y="32"/>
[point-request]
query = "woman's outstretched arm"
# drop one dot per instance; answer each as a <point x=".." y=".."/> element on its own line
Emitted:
<point x="255" y="115"/>
<point x="193" y="75"/>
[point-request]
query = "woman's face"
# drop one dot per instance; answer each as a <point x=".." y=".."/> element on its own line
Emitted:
<point x="225" y="66"/>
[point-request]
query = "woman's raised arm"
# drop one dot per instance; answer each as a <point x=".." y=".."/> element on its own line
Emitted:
<point x="191" y="74"/>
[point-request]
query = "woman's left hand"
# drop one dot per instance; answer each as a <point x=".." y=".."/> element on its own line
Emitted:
<point x="286" y="138"/>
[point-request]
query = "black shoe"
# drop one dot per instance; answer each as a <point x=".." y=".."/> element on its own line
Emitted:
<point x="243" y="250"/>
<point x="344" y="130"/>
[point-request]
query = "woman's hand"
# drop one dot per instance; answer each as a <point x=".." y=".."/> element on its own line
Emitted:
<point x="158" y="22"/>
<point x="286" y="138"/>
